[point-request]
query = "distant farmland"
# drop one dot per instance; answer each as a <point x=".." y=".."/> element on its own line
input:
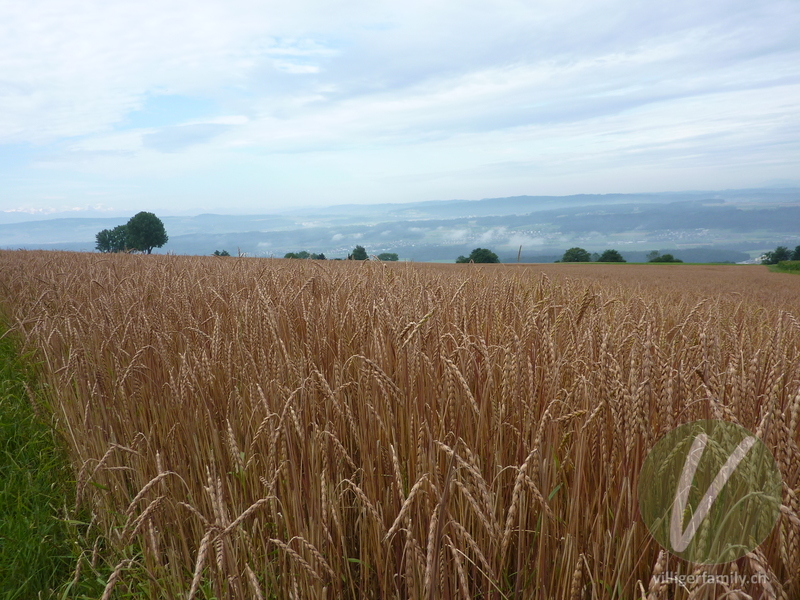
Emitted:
<point x="263" y="428"/>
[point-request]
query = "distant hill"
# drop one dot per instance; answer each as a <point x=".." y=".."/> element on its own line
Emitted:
<point x="730" y="225"/>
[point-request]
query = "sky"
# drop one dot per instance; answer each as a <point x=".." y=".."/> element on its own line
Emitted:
<point x="185" y="107"/>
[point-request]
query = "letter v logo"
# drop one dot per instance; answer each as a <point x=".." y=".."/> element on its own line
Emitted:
<point x="709" y="491"/>
<point x="680" y="539"/>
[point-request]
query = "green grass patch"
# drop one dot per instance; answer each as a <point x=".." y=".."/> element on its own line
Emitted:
<point x="42" y="538"/>
<point x="788" y="266"/>
<point x="35" y="552"/>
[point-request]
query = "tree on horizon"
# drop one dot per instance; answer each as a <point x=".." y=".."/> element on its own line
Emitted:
<point x="611" y="256"/>
<point x="576" y="255"/>
<point x="112" y="240"/>
<point x="145" y="232"/>
<point x="479" y="255"/>
<point x="359" y="253"/>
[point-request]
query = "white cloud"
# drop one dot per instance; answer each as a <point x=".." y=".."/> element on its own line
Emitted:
<point x="373" y="101"/>
<point x="457" y="235"/>
<point x="525" y="241"/>
<point x="495" y="234"/>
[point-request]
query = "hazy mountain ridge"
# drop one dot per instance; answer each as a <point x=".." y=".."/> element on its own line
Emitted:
<point x="743" y="222"/>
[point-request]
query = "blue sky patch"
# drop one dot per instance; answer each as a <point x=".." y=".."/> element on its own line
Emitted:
<point x="163" y="111"/>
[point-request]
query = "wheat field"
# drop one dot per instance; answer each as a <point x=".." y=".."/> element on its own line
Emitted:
<point x="264" y="428"/>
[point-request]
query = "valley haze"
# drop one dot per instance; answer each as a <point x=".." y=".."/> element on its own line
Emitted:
<point x="716" y="226"/>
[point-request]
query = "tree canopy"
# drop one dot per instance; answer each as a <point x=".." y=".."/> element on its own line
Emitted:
<point x="779" y="254"/>
<point x="576" y="255"/>
<point x="665" y="258"/>
<point x="388" y="256"/>
<point x="359" y="253"/>
<point x="305" y="254"/>
<point x="145" y="232"/>
<point x="113" y="240"/>
<point x="479" y="255"/>
<point x="611" y="256"/>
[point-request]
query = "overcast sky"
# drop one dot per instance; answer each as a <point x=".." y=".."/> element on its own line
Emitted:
<point x="248" y="106"/>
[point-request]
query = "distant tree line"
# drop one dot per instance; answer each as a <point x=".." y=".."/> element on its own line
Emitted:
<point x="304" y="254"/>
<point x="612" y="256"/>
<point x="655" y="257"/>
<point x="780" y="254"/>
<point x="359" y="253"/>
<point x="143" y="232"/>
<point x="581" y="255"/>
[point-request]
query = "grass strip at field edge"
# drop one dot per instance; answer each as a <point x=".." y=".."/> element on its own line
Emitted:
<point x="35" y="482"/>
<point x="781" y="269"/>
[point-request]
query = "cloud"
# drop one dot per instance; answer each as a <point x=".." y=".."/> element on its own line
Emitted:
<point x="525" y="241"/>
<point x="458" y="235"/>
<point x="172" y="139"/>
<point x="366" y="101"/>
<point x="495" y="234"/>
